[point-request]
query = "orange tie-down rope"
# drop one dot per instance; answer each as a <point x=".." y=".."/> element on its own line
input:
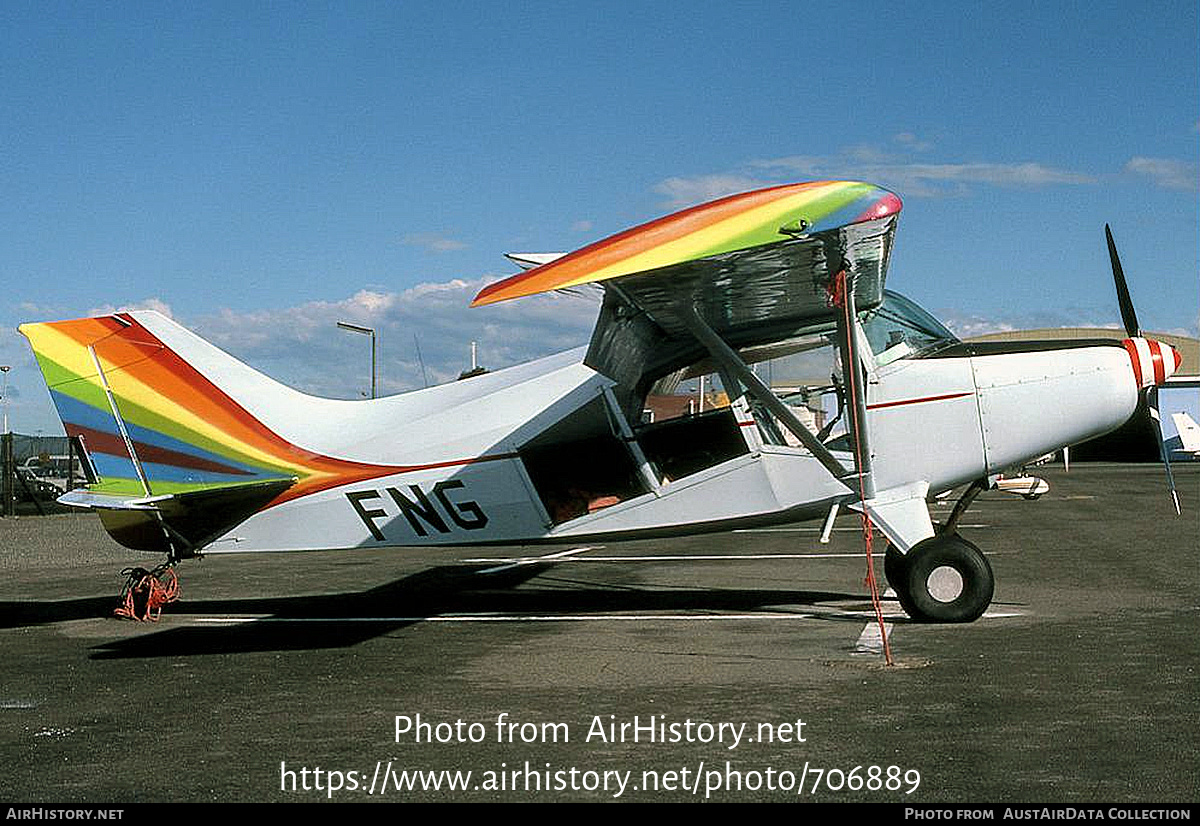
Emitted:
<point x="838" y="298"/>
<point x="146" y="592"/>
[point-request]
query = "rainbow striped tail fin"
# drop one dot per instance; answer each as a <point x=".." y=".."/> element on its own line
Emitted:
<point x="178" y="461"/>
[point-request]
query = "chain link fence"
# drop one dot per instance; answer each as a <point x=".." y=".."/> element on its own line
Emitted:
<point x="35" y="471"/>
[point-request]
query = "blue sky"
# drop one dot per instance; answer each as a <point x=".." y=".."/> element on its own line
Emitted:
<point x="260" y="171"/>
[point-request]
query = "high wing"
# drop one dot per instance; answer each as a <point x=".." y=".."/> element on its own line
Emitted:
<point x="758" y="256"/>
<point x="757" y="268"/>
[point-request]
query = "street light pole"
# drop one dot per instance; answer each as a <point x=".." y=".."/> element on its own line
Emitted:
<point x="7" y="472"/>
<point x="4" y="368"/>
<point x="366" y="331"/>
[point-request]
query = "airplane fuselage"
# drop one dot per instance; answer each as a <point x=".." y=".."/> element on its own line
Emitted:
<point x="945" y="420"/>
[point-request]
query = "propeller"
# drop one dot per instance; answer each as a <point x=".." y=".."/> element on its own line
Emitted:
<point x="1129" y="317"/>
<point x="1126" y="303"/>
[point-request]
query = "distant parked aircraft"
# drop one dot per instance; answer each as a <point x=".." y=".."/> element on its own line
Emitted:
<point x="1187" y="445"/>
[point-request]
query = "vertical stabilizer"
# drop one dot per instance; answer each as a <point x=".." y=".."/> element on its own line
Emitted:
<point x="1189" y="432"/>
<point x="177" y="458"/>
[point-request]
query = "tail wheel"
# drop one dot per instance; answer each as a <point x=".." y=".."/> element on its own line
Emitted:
<point x="945" y="579"/>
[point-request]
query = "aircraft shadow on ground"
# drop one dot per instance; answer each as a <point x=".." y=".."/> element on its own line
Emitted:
<point x="346" y="619"/>
<point x="26" y="613"/>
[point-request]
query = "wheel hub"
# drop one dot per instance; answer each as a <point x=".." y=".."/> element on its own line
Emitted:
<point x="945" y="583"/>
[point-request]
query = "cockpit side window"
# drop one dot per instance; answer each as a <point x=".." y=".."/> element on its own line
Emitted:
<point x="900" y="329"/>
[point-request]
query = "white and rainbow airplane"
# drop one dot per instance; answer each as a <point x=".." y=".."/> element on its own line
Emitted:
<point x="194" y="452"/>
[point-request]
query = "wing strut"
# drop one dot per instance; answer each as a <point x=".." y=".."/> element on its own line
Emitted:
<point x="735" y="367"/>
<point x="854" y="379"/>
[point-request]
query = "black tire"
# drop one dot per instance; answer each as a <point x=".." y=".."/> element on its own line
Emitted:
<point x="946" y="579"/>
<point x="894" y="567"/>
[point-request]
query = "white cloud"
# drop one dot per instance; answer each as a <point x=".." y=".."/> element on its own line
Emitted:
<point x="1014" y="174"/>
<point x="968" y="325"/>
<point x="891" y="168"/>
<point x="433" y="242"/>
<point x="683" y="192"/>
<point x="927" y="179"/>
<point x="1166" y="172"/>
<point x="911" y="141"/>
<point x="866" y="154"/>
<point x="896" y="169"/>
<point x="156" y="304"/>
<point x="32" y="311"/>
<point x="302" y="347"/>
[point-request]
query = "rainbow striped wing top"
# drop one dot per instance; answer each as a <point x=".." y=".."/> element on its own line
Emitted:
<point x="738" y="222"/>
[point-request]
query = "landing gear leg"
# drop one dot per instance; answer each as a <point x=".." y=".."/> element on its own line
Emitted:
<point x="960" y="507"/>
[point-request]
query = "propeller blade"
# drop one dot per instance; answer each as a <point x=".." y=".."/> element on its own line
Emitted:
<point x="1127" y="314"/>
<point x="1152" y="404"/>
<point x="1133" y="330"/>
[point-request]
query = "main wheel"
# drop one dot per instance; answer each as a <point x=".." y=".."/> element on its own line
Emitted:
<point x="894" y="565"/>
<point x="946" y="579"/>
<point x="895" y="568"/>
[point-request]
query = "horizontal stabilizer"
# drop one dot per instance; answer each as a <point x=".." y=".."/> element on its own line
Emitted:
<point x="177" y="523"/>
<point x="529" y="260"/>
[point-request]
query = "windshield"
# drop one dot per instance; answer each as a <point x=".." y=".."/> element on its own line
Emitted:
<point x="900" y="328"/>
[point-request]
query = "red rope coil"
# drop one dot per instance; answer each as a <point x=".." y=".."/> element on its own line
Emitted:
<point x="146" y="592"/>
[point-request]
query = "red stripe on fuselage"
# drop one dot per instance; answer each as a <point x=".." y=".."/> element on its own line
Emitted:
<point x="880" y="405"/>
<point x="493" y="457"/>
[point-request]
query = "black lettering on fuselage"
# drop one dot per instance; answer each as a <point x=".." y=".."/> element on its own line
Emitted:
<point x="459" y="510"/>
<point x="367" y="516"/>
<point x="421" y="511"/>
<point x="422" y="508"/>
